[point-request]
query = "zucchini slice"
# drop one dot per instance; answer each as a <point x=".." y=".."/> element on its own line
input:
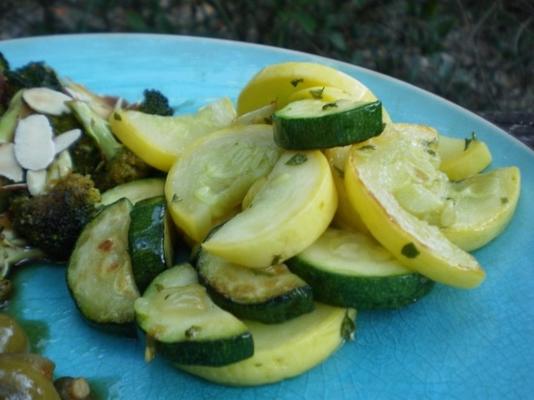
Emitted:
<point x="290" y="211"/>
<point x="349" y="269"/>
<point x="270" y="295"/>
<point x="207" y="184"/>
<point x="390" y="180"/>
<point x="134" y="191"/>
<point x="285" y="350"/>
<point x="160" y="140"/>
<point x="99" y="273"/>
<point x="150" y="239"/>
<point x="315" y="124"/>
<point x="186" y="326"/>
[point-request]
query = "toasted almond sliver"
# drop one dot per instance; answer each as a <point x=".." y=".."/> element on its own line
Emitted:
<point x="9" y="167"/>
<point x="46" y="101"/>
<point x="36" y="181"/>
<point x="66" y="139"/>
<point x="34" y="147"/>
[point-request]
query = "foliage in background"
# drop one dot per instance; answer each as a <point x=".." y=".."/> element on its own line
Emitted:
<point x="476" y="53"/>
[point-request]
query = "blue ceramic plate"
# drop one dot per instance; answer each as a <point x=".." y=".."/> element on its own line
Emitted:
<point x="454" y="344"/>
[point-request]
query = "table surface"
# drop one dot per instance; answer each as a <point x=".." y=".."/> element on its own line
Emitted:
<point x="517" y="123"/>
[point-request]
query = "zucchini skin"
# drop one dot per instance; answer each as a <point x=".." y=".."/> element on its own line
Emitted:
<point x="146" y="238"/>
<point x="214" y="353"/>
<point x="278" y="309"/>
<point x="331" y="130"/>
<point x="363" y="293"/>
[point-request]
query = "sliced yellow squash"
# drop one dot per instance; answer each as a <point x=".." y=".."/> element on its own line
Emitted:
<point x="324" y="93"/>
<point x="376" y="172"/>
<point x="277" y="82"/>
<point x="481" y="207"/>
<point x="207" y="184"/>
<point x="346" y="217"/>
<point x="160" y="140"/>
<point x="285" y="350"/>
<point x="292" y="209"/>
<point x="462" y="158"/>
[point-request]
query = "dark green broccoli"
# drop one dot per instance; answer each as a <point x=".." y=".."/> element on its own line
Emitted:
<point x="53" y="221"/>
<point x="63" y="123"/>
<point x="119" y="164"/>
<point x="13" y="249"/>
<point x="154" y="102"/>
<point x="4" y="64"/>
<point x="33" y="74"/>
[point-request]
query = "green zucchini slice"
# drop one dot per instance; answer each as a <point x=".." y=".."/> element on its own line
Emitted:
<point x="99" y="273"/>
<point x="270" y="295"/>
<point x="150" y="239"/>
<point x="315" y="124"/>
<point x="135" y="191"/>
<point x="186" y="326"/>
<point x="285" y="350"/>
<point x="350" y="269"/>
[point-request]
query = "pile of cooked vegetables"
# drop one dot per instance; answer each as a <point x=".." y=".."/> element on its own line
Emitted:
<point x="301" y="205"/>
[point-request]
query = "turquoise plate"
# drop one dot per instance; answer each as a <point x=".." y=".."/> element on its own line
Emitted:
<point x="454" y="344"/>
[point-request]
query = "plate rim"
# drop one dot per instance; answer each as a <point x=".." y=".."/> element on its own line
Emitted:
<point x="231" y="42"/>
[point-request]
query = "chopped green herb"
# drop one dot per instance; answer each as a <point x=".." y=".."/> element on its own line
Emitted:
<point x="191" y="332"/>
<point x="367" y="147"/>
<point x="410" y="251"/>
<point x="431" y="152"/>
<point x="339" y="171"/>
<point x="276" y="259"/>
<point x="117" y="117"/>
<point x="295" y="82"/>
<point x="159" y="287"/>
<point x="176" y="198"/>
<point x="297" y="159"/>
<point x="317" y="93"/>
<point x="329" y="105"/>
<point x="348" y="327"/>
<point x="504" y="200"/>
<point x="469" y="140"/>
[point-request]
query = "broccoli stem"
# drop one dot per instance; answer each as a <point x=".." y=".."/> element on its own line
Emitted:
<point x="97" y="128"/>
<point x="8" y="121"/>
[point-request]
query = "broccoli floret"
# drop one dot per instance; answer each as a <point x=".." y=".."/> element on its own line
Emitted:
<point x="4" y="64"/>
<point x="154" y="102"/>
<point x="13" y="249"/>
<point x="34" y="74"/>
<point x="119" y="164"/>
<point x="124" y="167"/>
<point x="53" y="221"/>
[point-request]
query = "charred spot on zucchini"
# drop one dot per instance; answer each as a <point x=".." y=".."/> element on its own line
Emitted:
<point x="150" y="240"/>
<point x="270" y="295"/>
<point x="185" y="326"/>
<point x="99" y="273"/>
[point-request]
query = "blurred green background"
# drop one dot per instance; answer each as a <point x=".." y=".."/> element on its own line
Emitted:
<point x="479" y="54"/>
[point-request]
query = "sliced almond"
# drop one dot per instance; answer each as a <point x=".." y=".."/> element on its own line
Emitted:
<point x="34" y="147"/>
<point x="46" y="101"/>
<point x="60" y="168"/>
<point x="102" y="105"/>
<point x="36" y="181"/>
<point x="9" y="167"/>
<point x="66" y="139"/>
